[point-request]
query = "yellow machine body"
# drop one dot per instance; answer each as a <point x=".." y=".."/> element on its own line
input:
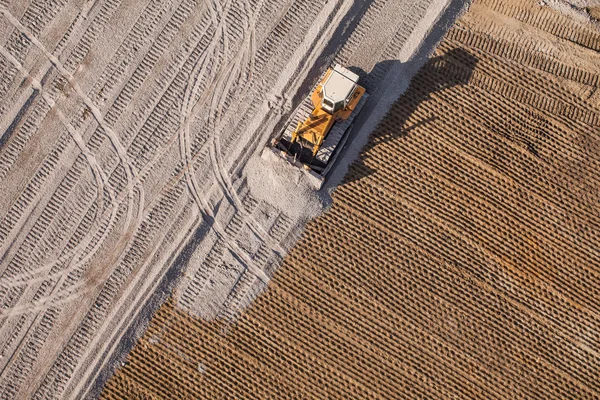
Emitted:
<point x="315" y="128"/>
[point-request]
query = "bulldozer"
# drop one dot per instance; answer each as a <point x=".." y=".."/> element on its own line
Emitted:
<point x="319" y="127"/>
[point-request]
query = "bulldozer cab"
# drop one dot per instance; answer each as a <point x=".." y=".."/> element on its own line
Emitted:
<point x="331" y="107"/>
<point x="338" y="89"/>
<point x="321" y="123"/>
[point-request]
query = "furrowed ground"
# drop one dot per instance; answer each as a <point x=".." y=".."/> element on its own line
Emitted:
<point x="460" y="258"/>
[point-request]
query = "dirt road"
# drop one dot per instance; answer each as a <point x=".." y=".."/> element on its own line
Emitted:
<point x="460" y="258"/>
<point x="130" y="134"/>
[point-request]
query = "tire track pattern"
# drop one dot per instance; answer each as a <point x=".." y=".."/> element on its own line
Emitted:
<point x="136" y="95"/>
<point x="460" y="258"/>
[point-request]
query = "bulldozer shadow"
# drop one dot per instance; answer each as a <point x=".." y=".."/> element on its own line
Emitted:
<point x="438" y="74"/>
<point x="361" y="168"/>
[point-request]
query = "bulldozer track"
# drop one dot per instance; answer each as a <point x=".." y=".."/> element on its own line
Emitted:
<point x="495" y="125"/>
<point x="549" y="21"/>
<point x="557" y="107"/>
<point x="506" y="71"/>
<point x="531" y="59"/>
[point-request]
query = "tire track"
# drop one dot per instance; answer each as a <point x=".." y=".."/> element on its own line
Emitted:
<point x="86" y="243"/>
<point x="101" y="179"/>
<point x="122" y="153"/>
<point x="36" y="17"/>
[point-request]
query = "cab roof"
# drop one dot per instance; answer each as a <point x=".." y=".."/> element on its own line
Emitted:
<point x="340" y="84"/>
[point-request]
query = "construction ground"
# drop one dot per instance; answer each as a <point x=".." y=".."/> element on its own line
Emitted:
<point x="460" y="257"/>
<point x="130" y="163"/>
<point x="148" y="251"/>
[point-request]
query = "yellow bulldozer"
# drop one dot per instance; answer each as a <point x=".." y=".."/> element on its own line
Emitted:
<point x="319" y="127"/>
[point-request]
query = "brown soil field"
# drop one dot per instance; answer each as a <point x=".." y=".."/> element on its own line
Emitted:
<point x="460" y="258"/>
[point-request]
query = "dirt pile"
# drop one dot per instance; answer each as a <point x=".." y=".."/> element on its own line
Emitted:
<point x="460" y="257"/>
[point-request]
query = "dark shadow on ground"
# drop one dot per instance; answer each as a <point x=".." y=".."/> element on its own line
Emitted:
<point x="443" y="72"/>
<point x="396" y="81"/>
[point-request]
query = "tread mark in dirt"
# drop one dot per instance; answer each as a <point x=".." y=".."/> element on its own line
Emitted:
<point x="226" y="75"/>
<point x="27" y="278"/>
<point x="122" y="153"/>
